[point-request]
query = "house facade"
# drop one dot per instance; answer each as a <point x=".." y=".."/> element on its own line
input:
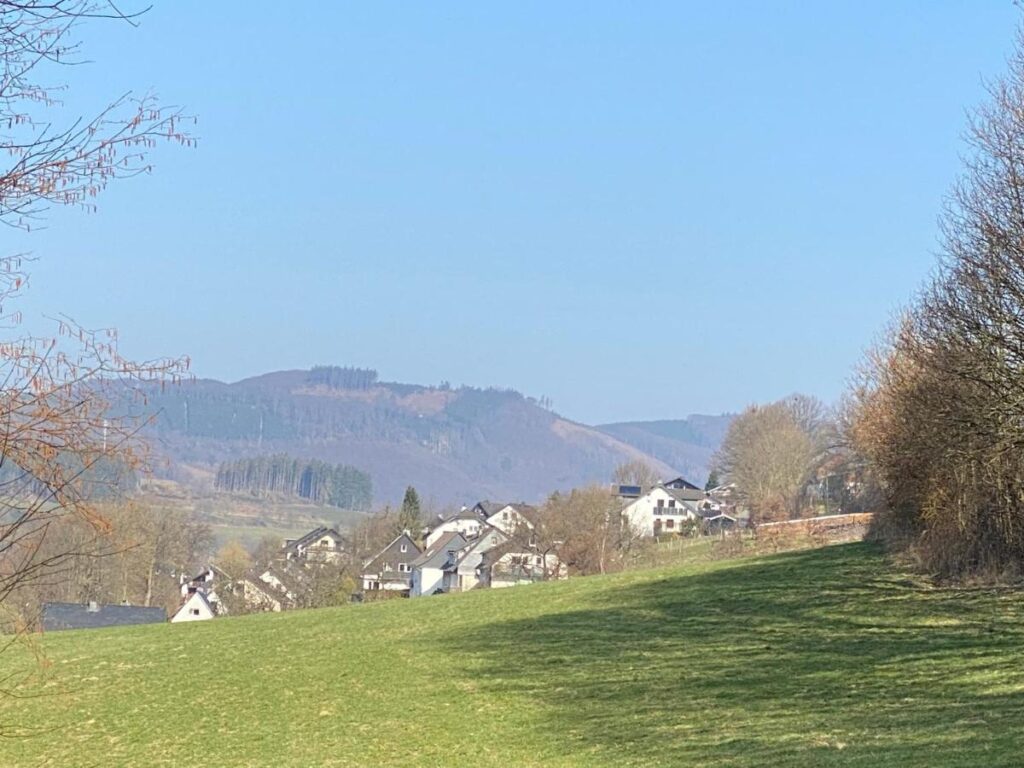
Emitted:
<point x="665" y="510"/>
<point x="464" y="573"/>
<point x="322" y="544"/>
<point x="468" y="522"/>
<point x="510" y="518"/>
<point x="391" y="569"/>
<point x="428" y="570"/>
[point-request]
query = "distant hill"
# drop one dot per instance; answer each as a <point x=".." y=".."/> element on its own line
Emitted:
<point x="686" y="444"/>
<point x="455" y="445"/>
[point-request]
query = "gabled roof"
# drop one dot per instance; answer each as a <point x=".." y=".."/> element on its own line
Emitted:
<point x="527" y="511"/>
<point x="58" y="616"/>
<point x="481" y="544"/>
<point x="201" y="598"/>
<point x="680" y="483"/>
<point x="488" y="508"/>
<point x="397" y="541"/>
<point x="448" y="540"/>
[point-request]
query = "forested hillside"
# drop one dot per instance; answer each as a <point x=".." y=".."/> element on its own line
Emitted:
<point x="453" y="444"/>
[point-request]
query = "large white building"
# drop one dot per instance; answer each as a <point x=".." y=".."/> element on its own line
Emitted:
<point x="666" y="508"/>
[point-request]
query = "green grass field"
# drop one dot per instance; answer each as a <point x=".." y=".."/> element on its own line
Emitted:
<point x="816" y="658"/>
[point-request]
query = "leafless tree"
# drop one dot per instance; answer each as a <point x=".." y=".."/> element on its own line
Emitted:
<point x="635" y="472"/>
<point x="938" y="409"/>
<point x="587" y="530"/>
<point x="59" y="428"/>
<point x="769" y="455"/>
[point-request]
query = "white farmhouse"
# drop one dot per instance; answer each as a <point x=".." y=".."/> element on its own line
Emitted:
<point x="665" y="509"/>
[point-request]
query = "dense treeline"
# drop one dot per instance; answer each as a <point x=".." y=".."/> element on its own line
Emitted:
<point x="336" y="377"/>
<point x="940" y="411"/>
<point x="336" y="484"/>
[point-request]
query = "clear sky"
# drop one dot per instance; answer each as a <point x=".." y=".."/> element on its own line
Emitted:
<point x="639" y="210"/>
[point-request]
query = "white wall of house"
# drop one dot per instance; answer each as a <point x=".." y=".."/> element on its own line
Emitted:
<point x="507" y="520"/>
<point x="195" y="608"/>
<point x="425" y="581"/>
<point x="466" y="574"/>
<point x="658" y="504"/>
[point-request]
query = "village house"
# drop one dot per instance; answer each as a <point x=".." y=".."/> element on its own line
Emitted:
<point x="471" y="521"/>
<point x="92" y="615"/>
<point x="510" y="564"/>
<point x="199" y="598"/>
<point x="511" y="518"/>
<point x="468" y="521"/>
<point x="463" y="572"/>
<point x="322" y="544"/>
<point x="428" y="569"/>
<point x="391" y="569"/>
<point x="665" y="508"/>
<point x="196" y="607"/>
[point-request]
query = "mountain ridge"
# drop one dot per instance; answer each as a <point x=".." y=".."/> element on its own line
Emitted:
<point x="453" y="444"/>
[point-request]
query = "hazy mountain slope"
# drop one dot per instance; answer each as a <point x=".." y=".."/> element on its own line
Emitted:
<point x="454" y="445"/>
<point x="687" y="444"/>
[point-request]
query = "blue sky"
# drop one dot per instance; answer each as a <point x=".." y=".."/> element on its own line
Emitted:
<point x="640" y="212"/>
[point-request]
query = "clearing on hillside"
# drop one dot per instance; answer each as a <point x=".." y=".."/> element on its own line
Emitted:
<point x="826" y="657"/>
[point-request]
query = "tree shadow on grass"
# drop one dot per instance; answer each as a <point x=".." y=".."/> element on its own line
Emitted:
<point x="823" y="657"/>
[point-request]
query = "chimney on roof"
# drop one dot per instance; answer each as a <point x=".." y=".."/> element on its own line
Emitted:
<point x="94" y="607"/>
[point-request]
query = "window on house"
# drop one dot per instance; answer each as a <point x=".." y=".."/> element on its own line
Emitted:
<point x="671" y="502"/>
<point x="538" y="560"/>
<point x="661" y="503"/>
<point x="194" y="611"/>
<point x="404" y="548"/>
<point x="403" y="568"/>
<point x="670" y="523"/>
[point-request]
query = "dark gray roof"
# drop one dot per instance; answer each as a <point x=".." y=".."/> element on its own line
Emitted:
<point x="58" y="616"/>
<point x="682" y="483"/>
<point x="373" y="565"/>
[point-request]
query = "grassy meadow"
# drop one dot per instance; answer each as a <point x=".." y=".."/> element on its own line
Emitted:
<point x="827" y="657"/>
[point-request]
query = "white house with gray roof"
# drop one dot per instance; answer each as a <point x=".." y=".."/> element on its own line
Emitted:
<point x="665" y="509"/>
<point x="429" y="568"/>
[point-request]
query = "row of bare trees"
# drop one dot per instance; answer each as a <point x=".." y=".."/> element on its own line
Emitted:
<point x="939" y="411"/>
<point x="138" y="558"/>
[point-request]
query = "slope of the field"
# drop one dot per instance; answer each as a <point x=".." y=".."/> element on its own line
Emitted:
<point x="819" y="658"/>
